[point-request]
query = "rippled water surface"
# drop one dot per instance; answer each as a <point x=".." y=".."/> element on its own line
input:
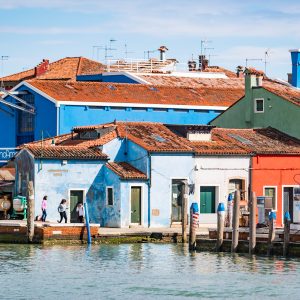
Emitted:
<point x="141" y="271"/>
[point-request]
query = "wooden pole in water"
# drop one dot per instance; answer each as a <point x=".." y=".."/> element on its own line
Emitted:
<point x="220" y="228"/>
<point x="184" y="209"/>
<point x="194" y="216"/>
<point x="286" y="236"/>
<point x="252" y="223"/>
<point x="235" y="221"/>
<point x="30" y="212"/>
<point x="271" y="238"/>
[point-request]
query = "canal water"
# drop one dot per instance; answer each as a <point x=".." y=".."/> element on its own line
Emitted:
<point x="142" y="271"/>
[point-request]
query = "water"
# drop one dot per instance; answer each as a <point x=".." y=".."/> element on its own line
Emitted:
<point x="141" y="271"/>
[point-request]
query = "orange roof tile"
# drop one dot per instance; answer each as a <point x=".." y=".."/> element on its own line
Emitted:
<point x="137" y="93"/>
<point x="286" y="92"/>
<point x="126" y="171"/>
<point x="66" y="68"/>
<point x="62" y="152"/>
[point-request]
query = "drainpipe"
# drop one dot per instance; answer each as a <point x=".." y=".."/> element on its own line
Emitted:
<point x="149" y="193"/>
<point x="250" y="177"/>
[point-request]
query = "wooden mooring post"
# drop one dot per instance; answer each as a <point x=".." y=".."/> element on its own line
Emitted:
<point x="235" y="221"/>
<point x="271" y="238"/>
<point x="286" y="235"/>
<point x="30" y="212"/>
<point x="252" y="223"/>
<point x="194" y="220"/>
<point x="220" y="228"/>
<point x="184" y="211"/>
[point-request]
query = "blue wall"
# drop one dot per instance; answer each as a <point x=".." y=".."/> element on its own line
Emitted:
<point x="7" y="126"/>
<point x="106" y="78"/>
<point x="71" y="115"/>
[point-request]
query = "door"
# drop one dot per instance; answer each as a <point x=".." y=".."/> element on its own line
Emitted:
<point x="75" y="198"/>
<point x="136" y="196"/>
<point x="177" y="194"/>
<point x="207" y="199"/>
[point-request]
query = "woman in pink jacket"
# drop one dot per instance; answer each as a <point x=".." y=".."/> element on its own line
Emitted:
<point x="44" y="208"/>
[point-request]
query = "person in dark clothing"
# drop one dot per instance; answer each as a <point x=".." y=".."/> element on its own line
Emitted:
<point x="62" y="210"/>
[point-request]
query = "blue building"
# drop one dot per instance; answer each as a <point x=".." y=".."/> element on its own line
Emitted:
<point x="129" y="173"/>
<point x="36" y="109"/>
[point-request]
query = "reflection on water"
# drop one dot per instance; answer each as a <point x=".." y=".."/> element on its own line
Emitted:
<point x="141" y="271"/>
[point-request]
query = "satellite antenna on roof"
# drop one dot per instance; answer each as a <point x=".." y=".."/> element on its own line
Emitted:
<point x="126" y="51"/>
<point x="148" y="53"/>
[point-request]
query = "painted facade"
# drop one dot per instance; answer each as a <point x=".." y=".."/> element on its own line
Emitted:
<point x="277" y="176"/>
<point x="279" y="107"/>
<point x="218" y="175"/>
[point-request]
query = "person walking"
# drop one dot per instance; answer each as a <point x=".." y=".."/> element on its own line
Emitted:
<point x="62" y="210"/>
<point x="80" y="211"/>
<point x="44" y="209"/>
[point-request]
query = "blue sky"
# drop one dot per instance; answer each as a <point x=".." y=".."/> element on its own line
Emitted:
<point x="35" y="29"/>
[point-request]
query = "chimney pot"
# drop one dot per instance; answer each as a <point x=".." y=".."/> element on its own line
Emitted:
<point x="295" y="55"/>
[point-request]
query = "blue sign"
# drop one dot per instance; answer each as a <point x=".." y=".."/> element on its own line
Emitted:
<point x="7" y="153"/>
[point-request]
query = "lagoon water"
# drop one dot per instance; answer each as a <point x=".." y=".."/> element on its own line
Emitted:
<point x="142" y="271"/>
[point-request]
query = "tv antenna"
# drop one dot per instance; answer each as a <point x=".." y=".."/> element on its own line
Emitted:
<point x="96" y="49"/>
<point x="267" y="54"/>
<point x="3" y="58"/>
<point x="209" y="58"/>
<point x="203" y="44"/>
<point x="126" y="51"/>
<point x="148" y="53"/>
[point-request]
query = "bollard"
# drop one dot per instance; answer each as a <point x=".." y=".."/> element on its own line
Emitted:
<point x="235" y="221"/>
<point x="229" y="211"/>
<point x="221" y="219"/>
<point x="252" y="223"/>
<point x="30" y="212"/>
<point x="87" y="223"/>
<point x="271" y="238"/>
<point x="286" y="235"/>
<point x="184" y="210"/>
<point x="194" y="220"/>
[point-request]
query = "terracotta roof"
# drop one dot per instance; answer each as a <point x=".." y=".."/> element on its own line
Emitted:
<point x="62" y="152"/>
<point x="7" y="174"/>
<point x="253" y="71"/>
<point x="65" y="68"/>
<point x="217" y="69"/>
<point x="259" y="141"/>
<point x="191" y="82"/>
<point x="126" y="171"/>
<point x="288" y="93"/>
<point x="137" y="93"/>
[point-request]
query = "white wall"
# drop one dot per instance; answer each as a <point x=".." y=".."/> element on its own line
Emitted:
<point x="217" y="171"/>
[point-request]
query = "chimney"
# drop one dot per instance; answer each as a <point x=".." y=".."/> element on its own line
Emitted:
<point x="162" y="51"/>
<point x="41" y="68"/>
<point x="253" y="78"/>
<point x="295" y="55"/>
<point x="192" y="65"/>
<point x="239" y="71"/>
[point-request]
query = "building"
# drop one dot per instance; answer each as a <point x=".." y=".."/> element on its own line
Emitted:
<point x="67" y="68"/>
<point x="266" y="103"/>
<point x="43" y="108"/>
<point x="137" y="173"/>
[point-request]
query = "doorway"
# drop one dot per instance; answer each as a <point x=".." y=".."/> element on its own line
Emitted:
<point x="288" y="197"/>
<point x="136" y="199"/>
<point x="177" y="194"/>
<point x="76" y="196"/>
<point x="207" y="199"/>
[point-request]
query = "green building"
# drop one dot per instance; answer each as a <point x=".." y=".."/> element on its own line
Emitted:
<point x="265" y="103"/>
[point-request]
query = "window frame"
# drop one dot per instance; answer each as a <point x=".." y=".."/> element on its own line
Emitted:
<point x="255" y="105"/>
<point x="275" y="188"/>
<point x="112" y="193"/>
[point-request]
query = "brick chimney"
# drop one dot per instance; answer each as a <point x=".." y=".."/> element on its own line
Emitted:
<point x="253" y="78"/>
<point x="162" y="50"/>
<point x="41" y="68"/>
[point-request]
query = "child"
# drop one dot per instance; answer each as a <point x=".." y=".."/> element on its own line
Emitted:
<point x="80" y="212"/>
<point x="44" y="208"/>
<point x="62" y="210"/>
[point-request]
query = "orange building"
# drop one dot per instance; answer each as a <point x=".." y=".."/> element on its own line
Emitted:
<point x="278" y="176"/>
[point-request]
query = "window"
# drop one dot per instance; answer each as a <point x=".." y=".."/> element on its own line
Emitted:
<point x="259" y="106"/>
<point x="238" y="184"/>
<point x="271" y="192"/>
<point x="110" y="196"/>
<point x="25" y="119"/>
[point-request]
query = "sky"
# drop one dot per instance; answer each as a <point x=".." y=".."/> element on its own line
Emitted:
<point x="236" y="30"/>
